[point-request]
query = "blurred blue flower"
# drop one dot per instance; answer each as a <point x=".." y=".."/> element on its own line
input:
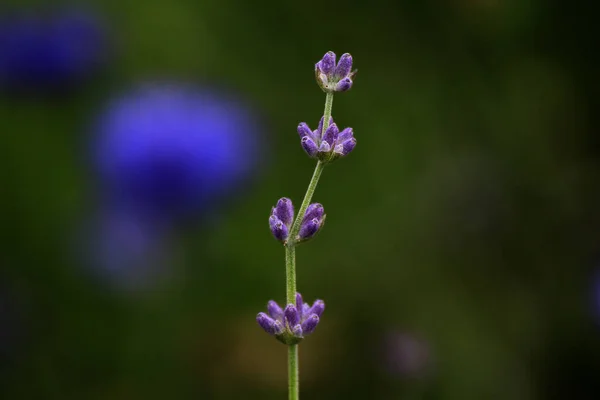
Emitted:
<point x="172" y="152"/>
<point x="49" y="51"/>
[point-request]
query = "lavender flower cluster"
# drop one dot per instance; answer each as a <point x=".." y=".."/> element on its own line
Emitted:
<point x="282" y="217"/>
<point x="291" y="324"/>
<point x="329" y="146"/>
<point x="334" y="78"/>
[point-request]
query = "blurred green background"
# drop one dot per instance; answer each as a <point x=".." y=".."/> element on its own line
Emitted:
<point x="464" y="226"/>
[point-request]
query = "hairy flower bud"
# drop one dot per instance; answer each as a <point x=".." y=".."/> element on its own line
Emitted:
<point x="274" y="310"/>
<point x="291" y="315"/>
<point x="344" y="66"/>
<point x="317" y="308"/>
<point x="315" y="210"/>
<point x="329" y="145"/>
<point x="310" y="323"/>
<point x="299" y="304"/>
<point x="304" y="130"/>
<point x="291" y="325"/>
<point x="266" y="322"/>
<point x="281" y="219"/>
<point x="331" y="134"/>
<point x="278" y="228"/>
<point x="334" y="78"/>
<point x="344" y="85"/>
<point x="284" y="210"/>
<point x="309" y="146"/>
<point x="308" y="229"/>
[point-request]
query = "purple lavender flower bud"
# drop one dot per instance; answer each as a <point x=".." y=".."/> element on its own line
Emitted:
<point x="284" y="210"/>
<point x="305" y="308"/>
<point x="308" y="229"/>
<point x="348" y="146"/>
<point x="274" y="310"/>
<point x="327" y="63"/>
<point x="343" y="85"/>
<point x="291" y="315"/>
<point x="266" y="322"/>
<point x="344" y="66"/>
<point x="317" y="308"/>
<point x="310" y="323"/>
<point x="299" y="305"/>
<point x="318" y="134"/>
<point x="297" y="331"/>
<point x="324" y="147"/>
<point x="309" y="146"/>
<point x="315" y="210"/>
<point x="304" y="130"/>
<point x="331" y="134"/>
<point x="345" y="134"/>
<point x="278" y="228"/>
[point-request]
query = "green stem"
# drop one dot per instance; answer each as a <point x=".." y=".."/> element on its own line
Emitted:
<point x="290" y="257"/>
<point x="327" y="112"/>
<point x="294" y="387"/>
<point x="290" y="274"/>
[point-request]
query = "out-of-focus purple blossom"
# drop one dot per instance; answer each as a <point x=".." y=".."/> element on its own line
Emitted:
<point x="296" y="321"/>
<point x="171" y="151"/>
<point x="52" y="50"/>
<point x="334" y="78"/>
<point x="327" y="146"/>
<point x="128" y="250"/>
<point x="406" y="355"/>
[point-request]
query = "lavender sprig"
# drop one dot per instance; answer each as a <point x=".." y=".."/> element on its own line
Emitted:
<point x="291" y="325"/>
<point x="327" y="143"/>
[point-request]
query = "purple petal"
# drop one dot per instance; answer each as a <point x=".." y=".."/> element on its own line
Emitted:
<point x="274" y="310"/>
<point x="266" y="322"/>
<point x="348" y="146"/>
<point x="331" y="134"/>
<point x="299" y="305"/>
<point x="284" y="210"/>
<point x="304" y="130"/>
<point x="317" y="308"/>
<point x="327" y="63"/>
<point x="291" y="315"/>
<point x="318" y="133"/>
<point x="325" y="147"/>
<point x="343" y="85"/>
<point x="344" y="66"/>
<point x="278" y="228"/>
<point x="305" y="308"/>
<point x="309" y="146"/>
<point x="309" y="228"/>
<point x="344" y="135"/>
<point x="309" y="325"/>
<point x="315" y="210"/>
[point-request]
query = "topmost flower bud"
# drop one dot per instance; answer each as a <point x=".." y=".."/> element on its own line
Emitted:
<point x="332" y="78"/>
